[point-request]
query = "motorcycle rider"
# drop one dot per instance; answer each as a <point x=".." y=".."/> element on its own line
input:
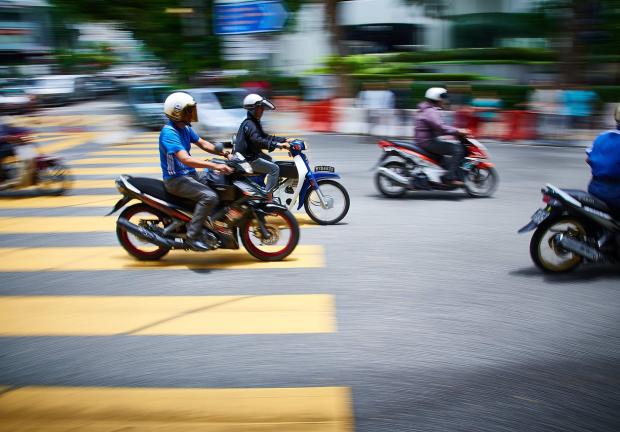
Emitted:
<point x="604" y="159"/>
<point x="251" y="139"/>
<point x="429" y="127"/>
<point x="179" y="167"/>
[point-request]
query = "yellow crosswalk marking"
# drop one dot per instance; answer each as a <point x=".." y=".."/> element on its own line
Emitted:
<point x="71" y="140"/>
<point x="116" y="171"/>
<point x="166" y="315"/>
<point x="93" y="184"/>
<point x="140" y="159"/>
<point x="61" y="201"/>
<point x="81" y="224"/>
<point x="115" y="258"/>
<point x="139" y="152"/>
<point x="123" y="146"/>
<point x="62" y="120"/>
<point x="107" y="409"/>
<point x="117" y="160"/>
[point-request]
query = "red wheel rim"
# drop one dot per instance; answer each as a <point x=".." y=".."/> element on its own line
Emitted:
<point x="251" y="245"/>
<point x="130" y="245"/>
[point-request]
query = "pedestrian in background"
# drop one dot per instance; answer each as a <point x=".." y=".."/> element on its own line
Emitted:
<point x="376" y="100"/>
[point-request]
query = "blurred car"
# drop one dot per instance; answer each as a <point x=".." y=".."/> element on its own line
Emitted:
<point x="146" y="103"/>
<point x="220" y="111"/>
<point x="15" y="100"/>
<point x="102" y="86"/>
<point x="53" y="90"/>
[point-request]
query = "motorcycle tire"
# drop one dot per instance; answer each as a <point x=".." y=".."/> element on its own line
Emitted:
<point x="264" y="251"/>
<point x="539" y="241"/>
<point x="136" y="247"/>
<point x="398" y="190"/>
<point x="311" y="197"/>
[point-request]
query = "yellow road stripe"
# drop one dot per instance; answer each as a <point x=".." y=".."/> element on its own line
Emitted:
<point x="60" y="201"/>
<point x="139" y="152"/>
<point x="93" y="184"/>
<point x="140" y="159"/>
<point x="152" y="146"/>
<point x="62" y="120"/>
<point x="116" y="171"/>
<point x="81" y="224"/>
<point x="166" y="315"/>
<point x="71" y="141"/>
<point x="115" y="258"/>
<point x="107" y="409"/>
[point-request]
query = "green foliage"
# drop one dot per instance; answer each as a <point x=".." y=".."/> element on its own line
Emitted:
<point x="171" y="37"/>
<point x="83" y="62"/>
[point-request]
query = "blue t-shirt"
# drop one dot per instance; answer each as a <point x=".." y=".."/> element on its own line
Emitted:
<point x="172" y="140"/>
<point x="604" y="158"/>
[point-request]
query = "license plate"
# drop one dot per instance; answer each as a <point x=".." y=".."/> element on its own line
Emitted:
<point x="324" y="168"/>
<point x="540" y="215"/>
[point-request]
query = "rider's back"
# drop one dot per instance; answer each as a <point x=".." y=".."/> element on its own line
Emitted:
<point x="604" y="158"/>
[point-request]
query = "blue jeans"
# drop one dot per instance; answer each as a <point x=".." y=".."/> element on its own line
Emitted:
<point x="263" y="166"/>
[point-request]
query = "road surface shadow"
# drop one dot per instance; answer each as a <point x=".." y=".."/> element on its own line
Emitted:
<point x="581" y="274"/>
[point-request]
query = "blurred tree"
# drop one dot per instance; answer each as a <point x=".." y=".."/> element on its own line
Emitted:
<point x="176" y="31"/>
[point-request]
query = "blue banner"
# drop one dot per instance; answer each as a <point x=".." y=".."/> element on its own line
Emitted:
<point x="249" y="17"/>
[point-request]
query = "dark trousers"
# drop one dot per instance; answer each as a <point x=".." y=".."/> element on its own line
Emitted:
<point x="453" y="153"/>
<point x="193" y="186"/>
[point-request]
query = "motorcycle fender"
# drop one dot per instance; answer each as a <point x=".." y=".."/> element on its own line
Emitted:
<point x="307" y="187"/>
<point x="532" y="224"/>
<point x="120" y="204"/>
<point x="384" y="156"/>
<point x="485" y="164"/>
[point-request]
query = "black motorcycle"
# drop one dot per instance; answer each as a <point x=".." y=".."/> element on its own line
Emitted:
<point x="150" y="229"/>
<point x="574" y="227"/>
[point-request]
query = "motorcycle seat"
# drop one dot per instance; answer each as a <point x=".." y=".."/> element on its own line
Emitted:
<point x="287" y="169"/>
<point x="414" y="147"/>
<point x="590" y="200"/>
<point x="155" y="188"/>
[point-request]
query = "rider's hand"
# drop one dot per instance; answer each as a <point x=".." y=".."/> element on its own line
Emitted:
<point x="464" y="132"/>
<point x="290" y="140"/>
<point x="284" y="145"/>
<point x="224" y="169"/>
<point x="229" y="155"/>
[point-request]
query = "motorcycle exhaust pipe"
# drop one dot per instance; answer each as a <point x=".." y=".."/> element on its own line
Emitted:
<point x="145" y="234"/>
<point x="579" y="248"/>
<point x="394" y="176"/>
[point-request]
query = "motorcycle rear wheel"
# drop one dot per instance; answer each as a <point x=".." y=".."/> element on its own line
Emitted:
<point x="135" y="246"/>
<point x="549" y="257"/>
<point x="387" y="186"/>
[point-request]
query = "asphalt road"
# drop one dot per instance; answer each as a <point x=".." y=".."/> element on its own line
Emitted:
<point x="442" y="321"/>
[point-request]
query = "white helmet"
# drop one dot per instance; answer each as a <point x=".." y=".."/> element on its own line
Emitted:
<point x="617" y="115"/>
<point x="436" y="93"/>
<point x="181" y="106"/>
<point x="254" y="100"/>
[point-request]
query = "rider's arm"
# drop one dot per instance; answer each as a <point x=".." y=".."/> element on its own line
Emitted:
<point x="193" y="162"/>
<point x="209" y="147"/>
<point x="438" y="126"/>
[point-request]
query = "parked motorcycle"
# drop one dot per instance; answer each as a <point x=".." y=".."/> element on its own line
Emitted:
<point x="150" y="229"/>
<point x="25" y="167"/>
<point x="325" y="200"/>
<point x="405" y="166"/>
<point x="574" y="227"/>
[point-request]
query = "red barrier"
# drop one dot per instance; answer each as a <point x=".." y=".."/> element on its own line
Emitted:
<point x="320" y="116"/>
<point x="520" y="125"/>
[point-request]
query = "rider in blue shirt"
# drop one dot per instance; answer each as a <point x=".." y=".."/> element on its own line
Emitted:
<point x="604" y="159"/>
<point x="179" y="167"/>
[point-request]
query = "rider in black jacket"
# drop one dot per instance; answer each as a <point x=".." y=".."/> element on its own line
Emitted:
<point x="251" y="140"/>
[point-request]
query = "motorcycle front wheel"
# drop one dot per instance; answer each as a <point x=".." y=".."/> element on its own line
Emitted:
<point x="54" y="179"/>
<point x="547" y="254"/>
<point x="142" y="215"/>
<point x="282" y="236"/>
<point x="481" y="182"/>
<point x="332" y="190"/>
<point x="389" y="187"/>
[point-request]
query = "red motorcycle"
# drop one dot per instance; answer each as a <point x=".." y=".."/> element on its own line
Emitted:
<point x="22" y="166"/>
<point x="405" y="166"/>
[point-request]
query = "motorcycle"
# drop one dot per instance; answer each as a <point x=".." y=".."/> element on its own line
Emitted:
<point x="150" y="229"/>
<point x="25" y="167"/>
<point x="405" y="166"/>
<point x="325" y="200"/>
<point x="574" y="227"/>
